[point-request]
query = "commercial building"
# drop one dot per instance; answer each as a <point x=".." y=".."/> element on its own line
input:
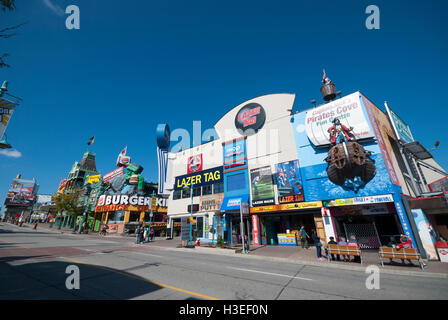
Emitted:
<point x="337" y="168"/>
<point x="21" y="198"/>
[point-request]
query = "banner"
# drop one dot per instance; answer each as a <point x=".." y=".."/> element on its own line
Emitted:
<point x="6" y="110"/>
<point x="262" y="186"/>
<point x="210" y="202"/>
<point x="347" y="109"/>
<point x="426" y="233"/>
<point x="358" y="201"/>
<point x="94" y="178"/>
<point x="289" y="182"/>
<point x="21" y="193"/>
<point x="116" y="173"/>
<point x="255" y="231"/>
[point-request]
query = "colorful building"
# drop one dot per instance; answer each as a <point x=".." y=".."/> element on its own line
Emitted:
<point x="335" y="168"/>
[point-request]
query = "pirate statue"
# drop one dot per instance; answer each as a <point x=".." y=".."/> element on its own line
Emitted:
<point x="339" y="132"/>
<point x="325" y="79"/>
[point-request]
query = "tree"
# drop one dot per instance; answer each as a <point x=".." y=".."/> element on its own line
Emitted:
<point x="70" y="203"/>
<point x="5" y="32"/>
<point x="8" y="4"/>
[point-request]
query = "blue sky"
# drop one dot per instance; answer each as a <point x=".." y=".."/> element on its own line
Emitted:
<point x="134" y="64"/>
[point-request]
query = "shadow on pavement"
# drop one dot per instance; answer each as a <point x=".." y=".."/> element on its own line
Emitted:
<point x="47" y="281"/>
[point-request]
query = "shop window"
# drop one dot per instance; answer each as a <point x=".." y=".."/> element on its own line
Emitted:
<point x="196" y="191"/>
<point x="218" y="187"/>
<point x="207" y="190"/>
<point x="111" y="217"/>
<point x="200" y="227"/>
<point x="177" y="194"/>
<point x="186" y="193"/>
<point x="236" y="182"/>
<point x="134" y="217"/>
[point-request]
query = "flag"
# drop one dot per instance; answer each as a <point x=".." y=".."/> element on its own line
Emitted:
<point x="91" y="141"/>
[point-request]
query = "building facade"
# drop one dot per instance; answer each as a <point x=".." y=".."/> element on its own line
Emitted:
<point x="337" y="169"/>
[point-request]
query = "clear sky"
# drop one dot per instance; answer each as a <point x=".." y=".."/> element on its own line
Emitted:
<point x="134" y="64"/>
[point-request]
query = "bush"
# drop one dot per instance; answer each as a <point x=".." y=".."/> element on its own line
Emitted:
<point x="220" y="242"/>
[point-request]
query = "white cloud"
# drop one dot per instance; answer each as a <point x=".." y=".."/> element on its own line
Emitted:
<point x="55" y="8"/>
<point x="11" y="153"/>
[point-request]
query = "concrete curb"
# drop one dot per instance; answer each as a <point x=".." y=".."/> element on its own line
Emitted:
<point x="309" y="263"/>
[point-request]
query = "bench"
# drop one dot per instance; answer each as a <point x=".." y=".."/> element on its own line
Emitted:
<point x="344" y="250"/>
<point x="397" y="253"/>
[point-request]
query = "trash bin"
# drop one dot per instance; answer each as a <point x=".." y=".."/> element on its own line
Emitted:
<point x="442" y="250"/>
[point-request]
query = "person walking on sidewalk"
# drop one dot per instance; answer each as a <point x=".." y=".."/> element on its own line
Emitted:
<point x="152" y="233"/>
<point x="137" y="235"/>
<point x="317" y="244"/>
<point x="303" y="237"/>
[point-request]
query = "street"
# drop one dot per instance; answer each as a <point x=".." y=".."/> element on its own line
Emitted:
<point x="33" y="266"/>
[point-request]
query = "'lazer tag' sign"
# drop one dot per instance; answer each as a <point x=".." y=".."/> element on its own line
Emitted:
<point x="250" y="119"/>
<point x="202" y="178"/>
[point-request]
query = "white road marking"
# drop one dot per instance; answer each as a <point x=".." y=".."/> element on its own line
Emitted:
<point x="147" y="254"/>
<point x="272" y="274"/>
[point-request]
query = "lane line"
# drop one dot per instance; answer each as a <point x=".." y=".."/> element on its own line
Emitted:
<point x="272" y="274"/>
<point x="141" y="278"/>
<point x="16" y="244"/>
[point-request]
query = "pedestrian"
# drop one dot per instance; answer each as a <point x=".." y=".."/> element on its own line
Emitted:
<point x="344" y="242"/>
<point x="406" y="242"/>
<point x="142" y="239"/>
<point x="354" y="242"/>
<point x="332" y="255"/>
<point x="145" y="234"/>
<point x="303" y="237"/>
<point x="137" y="235"/>
<point x="317" y="244"/>
<point x="152" y="233"/>
<point x="246" y="244"/>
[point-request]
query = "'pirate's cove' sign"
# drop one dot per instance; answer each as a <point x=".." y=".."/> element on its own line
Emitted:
<point x="250" y="119"/>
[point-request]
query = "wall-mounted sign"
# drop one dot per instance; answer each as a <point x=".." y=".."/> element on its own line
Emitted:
<point x="124" y="199"/>
<point x="358" y="200"/>
<point x="289" y="182"/>
<point x="250" y="119"/>
<point x="401" y="129"/>
<point x="210" y="202"/>
<point x="202" y="178"/>
<point x="350" y="114"/>
<point x="95" y="178"/>
<point x="116" y="173"/>
<point x="194" y="164"/>
<point x="121" y="207"/>
<point x="6" y="110"/>
<point x="289" y="206"/>
<point x="262" y="186"/>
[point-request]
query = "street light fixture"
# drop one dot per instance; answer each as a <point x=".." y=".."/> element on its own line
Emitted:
<point x="150" y="215"/>
<point x="191" y="212"/>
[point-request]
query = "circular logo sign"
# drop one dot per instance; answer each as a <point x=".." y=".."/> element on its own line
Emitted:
<point x="195" y="163"/>
<point x="250" y="119"/>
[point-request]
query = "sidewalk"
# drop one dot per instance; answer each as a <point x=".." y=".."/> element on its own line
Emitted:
<point x="276" y="253"/>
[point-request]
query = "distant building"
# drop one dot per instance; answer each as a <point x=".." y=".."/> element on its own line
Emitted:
<point x="21" y="197"/>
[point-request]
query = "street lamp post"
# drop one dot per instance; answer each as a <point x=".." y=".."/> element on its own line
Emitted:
<point x="191" y="212"/>
<point x="150" y="216"/>
<point x="191" y="215"/>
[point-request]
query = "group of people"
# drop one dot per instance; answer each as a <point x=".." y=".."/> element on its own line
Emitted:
<point x="405" y="242"/>
<point x="143" y="234"/>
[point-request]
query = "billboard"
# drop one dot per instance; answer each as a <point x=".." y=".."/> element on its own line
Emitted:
<point x="426" y="233"/>
<point x="314" y="165"/>
<point x="116" y="173"/>
<point x="6" y="110"/>
<point x="21" y="193"/>
<point x="262" y="186"/>
<point x="348" y="110"/>
<point x="402" y="130"/>
<point x="289" y="182"/>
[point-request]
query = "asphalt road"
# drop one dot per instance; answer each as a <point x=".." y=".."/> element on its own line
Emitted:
<point x="33" y="266"/>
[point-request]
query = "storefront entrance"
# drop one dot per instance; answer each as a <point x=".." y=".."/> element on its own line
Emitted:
<point x="273" y="224"/>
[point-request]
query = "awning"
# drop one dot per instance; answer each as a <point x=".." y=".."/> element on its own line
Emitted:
<point x="233" y="203"/>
